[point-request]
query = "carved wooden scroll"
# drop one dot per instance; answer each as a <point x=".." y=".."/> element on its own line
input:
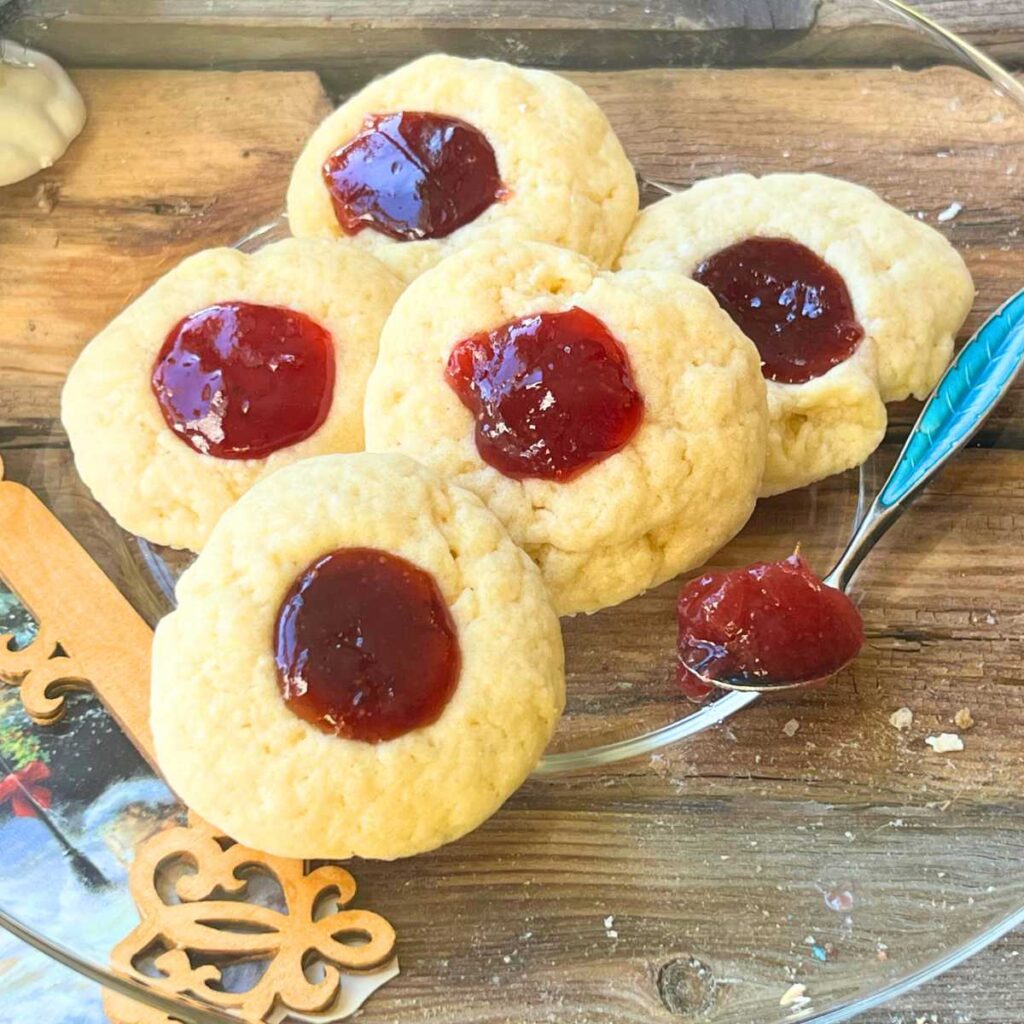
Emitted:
<point x="191" y="929"/>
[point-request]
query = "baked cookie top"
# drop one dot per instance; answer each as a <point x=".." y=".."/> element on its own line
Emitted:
<point x="235" y="749"/>
<point x="486" y="151"/>
<point x="606" y="501"/>
<point x="228" y="367"/>
<point x="908" y="291"/>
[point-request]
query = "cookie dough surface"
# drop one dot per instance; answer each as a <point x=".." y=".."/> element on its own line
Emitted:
<point x="149" y="480"/>
<point x="910" y="289"/>
<point x="233" y="750"/>
<point x="568" y="179"/>
<point x="681" y="488"/>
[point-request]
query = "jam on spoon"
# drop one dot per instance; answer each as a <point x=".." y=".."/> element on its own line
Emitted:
<point x="768" y="624"/>
<point x="412" y="175"/>
<point x="552" y="393"/>
<point x="240" y="380"/>
<point x="365" y="646"/>
<point x="788" y="301"/>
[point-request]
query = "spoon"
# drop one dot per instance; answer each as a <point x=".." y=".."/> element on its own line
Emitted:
<point x="975" y="382"/>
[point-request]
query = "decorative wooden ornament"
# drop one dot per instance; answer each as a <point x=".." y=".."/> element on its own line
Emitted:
<point x="190" y="929"/>
<point x="90" y="637"/>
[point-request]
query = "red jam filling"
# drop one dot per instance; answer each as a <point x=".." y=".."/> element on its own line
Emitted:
<point x="789" y="302"/>
<point x="365" y="646"/>
<point x="412" y="176"/>
<point x="771" y="623"/>
<point x="692" y="687"/>
<point x="552" y="394"/>
<point x="240" y="381"/>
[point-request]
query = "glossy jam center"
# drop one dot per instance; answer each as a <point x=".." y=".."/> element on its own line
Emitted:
<point x="789" y="302"/>
<point x="411" y="176"/>
<point x="771" y="623"/>
<point x="365" y="646"/>
<point x="552" y="394"/>
<point x="240" y="381"/>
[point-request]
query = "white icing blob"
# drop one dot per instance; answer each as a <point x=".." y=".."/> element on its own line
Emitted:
<point x="41" y="111"/>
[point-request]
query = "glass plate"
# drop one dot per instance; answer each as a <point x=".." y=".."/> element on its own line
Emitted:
<point x="654" y="868"/>
<point x="630" y="703"/>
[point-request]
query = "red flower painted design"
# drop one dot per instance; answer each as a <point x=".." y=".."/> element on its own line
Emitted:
<point x="28" y="780"/>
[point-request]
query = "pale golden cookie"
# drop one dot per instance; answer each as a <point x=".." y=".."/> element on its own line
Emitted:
<point x="680" y="488"/>
<point x="910" y="291"/>
<point x="238" y="755"/>
<point x="151" y="481"/>
<point x="567" y="178"/>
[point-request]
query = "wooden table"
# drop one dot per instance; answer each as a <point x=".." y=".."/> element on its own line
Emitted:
<point x="989" y="988"/>
<point x="103" y="228"/>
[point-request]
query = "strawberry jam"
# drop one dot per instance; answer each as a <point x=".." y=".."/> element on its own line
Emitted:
<point x="365" y="646"/>
<point x="769" y="624"/>
<point x="791" y="304"/>
<point x="240" y="381"/>
<point x="696" y="689"/>
<point x="552" y="394"/>
<point x="411" y="176"/>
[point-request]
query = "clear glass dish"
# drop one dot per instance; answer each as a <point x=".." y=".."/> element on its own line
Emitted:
<point x="804" y="840"/>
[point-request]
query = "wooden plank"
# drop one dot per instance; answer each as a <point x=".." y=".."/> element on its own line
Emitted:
<point x="984" y="990"/>
<point x="168" y="163"/>
<point x="929" y="646"/>
<point x="997" y="26"/>
<point x="353" y="37"/>
<point x="993" y="20"/>
<point x="82" y="239"/>
<point x="864" y="33"/>
<point x="348" y="43"/>
<point x="593" y="15"/>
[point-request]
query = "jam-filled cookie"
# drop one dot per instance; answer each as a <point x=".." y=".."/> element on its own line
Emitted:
<point x="361" y="663"/>
<point x="851" y="303"/>
<point x="614" y="422"/>
<point x="227" y="368"/>
<point x="446" y="151"/>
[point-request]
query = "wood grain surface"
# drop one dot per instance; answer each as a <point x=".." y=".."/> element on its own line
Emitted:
<point x="346" y="40"/>
<point x="108" y="219"/>
<point x="174" y="161"/>
<point x="168" y="163"/>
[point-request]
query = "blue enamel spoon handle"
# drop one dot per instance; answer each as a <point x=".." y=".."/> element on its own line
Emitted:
<point x="969" y="390"/>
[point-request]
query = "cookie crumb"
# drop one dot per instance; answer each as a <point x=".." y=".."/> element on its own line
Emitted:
<point x="793" y="995"/>
<point x="945" y="743"/>
<point x="902" y="719"/>
<point x="949" y="212"/>
<point x="791" y="727"/>
<point x="46" y="196"/>
<point x="963" y="719"/>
